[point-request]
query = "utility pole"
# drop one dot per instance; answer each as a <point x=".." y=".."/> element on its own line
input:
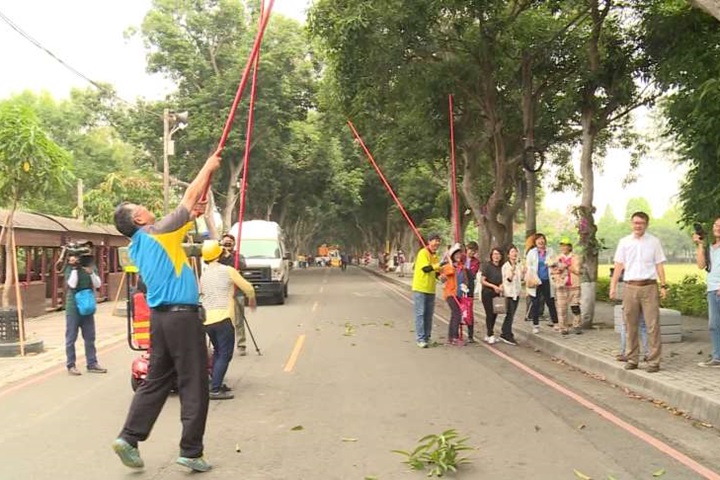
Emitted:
<point x="80" y="203"/>
<point x="166" y="162"/>
<point x="172" y="122"/>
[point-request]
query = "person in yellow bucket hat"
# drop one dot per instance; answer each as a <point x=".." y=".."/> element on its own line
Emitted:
<point x="566" y="276"/>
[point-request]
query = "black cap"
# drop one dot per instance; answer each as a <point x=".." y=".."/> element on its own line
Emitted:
<point x="434" y="236"/>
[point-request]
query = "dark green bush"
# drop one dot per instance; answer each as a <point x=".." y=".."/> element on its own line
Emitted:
<point x="689" y="296"/>
<point x="602" y="291"/>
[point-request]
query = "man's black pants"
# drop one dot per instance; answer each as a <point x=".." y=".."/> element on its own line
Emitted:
<point x="177" y="343"/>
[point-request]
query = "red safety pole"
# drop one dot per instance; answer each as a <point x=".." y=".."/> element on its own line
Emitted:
<point x="390" y="190"/>
<point x="455" y="206"/>
<point x="385" y="182"/>
<point x="241" y="88"/>
<point x="248" y="138"/>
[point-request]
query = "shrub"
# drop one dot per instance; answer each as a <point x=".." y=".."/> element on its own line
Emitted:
<point x="688" y="296"/>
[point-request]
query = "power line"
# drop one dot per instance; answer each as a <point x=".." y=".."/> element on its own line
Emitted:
<point x="97" y="85"/>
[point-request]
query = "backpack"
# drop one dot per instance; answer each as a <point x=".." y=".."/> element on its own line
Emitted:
<point x="85" y="301"/>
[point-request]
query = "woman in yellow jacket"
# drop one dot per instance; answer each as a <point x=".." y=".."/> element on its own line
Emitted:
<point x="218" y="284"/>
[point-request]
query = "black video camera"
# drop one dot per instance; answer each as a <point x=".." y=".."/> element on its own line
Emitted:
<point x="699" y="231"/>
<point x="82" y="250"/>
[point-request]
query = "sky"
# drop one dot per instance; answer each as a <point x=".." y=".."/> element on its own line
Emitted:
<point x="88" y="35"/>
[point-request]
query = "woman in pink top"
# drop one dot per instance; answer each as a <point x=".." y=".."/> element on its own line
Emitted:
<point x="566" y="276"/>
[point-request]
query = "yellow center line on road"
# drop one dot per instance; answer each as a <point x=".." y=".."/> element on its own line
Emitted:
<point x="295" y="354"/>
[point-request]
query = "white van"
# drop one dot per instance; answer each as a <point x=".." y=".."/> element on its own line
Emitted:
<point x="268" y="264"/>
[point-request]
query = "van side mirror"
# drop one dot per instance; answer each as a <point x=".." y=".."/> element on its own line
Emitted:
<point x="286" y="256"/>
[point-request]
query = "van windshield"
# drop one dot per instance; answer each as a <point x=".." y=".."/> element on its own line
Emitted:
<point x="259" y="248"/>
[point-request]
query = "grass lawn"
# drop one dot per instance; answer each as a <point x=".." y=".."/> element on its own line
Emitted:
<point x="674" y="272"/>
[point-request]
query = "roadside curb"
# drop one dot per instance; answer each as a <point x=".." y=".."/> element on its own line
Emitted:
<point x="17" y="369"/>
<point x="703" y="407"/>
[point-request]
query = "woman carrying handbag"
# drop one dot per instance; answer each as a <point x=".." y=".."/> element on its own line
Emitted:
<point x="491" y="279"/>
<point x="512" y="274"/>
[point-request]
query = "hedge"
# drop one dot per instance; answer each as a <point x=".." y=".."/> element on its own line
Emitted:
<point x="689" y="296"/>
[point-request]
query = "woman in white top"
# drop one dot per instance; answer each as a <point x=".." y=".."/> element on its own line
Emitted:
<point x="512" y="273"/>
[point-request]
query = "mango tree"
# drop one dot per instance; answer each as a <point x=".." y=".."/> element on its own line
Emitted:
<point x="31" y="165"/>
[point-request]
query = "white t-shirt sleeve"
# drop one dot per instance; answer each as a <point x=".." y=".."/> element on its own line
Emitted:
<point x="659" y="254"/>
<point x="620" y="252"/>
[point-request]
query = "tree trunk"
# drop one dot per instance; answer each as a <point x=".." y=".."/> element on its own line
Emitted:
<point x="209" y="217"/>
<point x="232" y="194"/>
<point x="586" y="223"/>
<point x="584" y="213"/>
<point x="7" y="286"/>
<point x="710" y="6"/>
<point x="528" y="109"/>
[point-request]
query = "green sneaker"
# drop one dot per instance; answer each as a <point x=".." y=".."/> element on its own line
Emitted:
<point x="198" y="464"/>
<point x="129" y="455"/>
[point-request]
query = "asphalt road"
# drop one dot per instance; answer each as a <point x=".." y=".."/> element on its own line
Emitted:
<point x="340" y="384"/>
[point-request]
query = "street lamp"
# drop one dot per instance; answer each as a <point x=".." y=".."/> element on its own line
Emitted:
<point x="172" y="122"/>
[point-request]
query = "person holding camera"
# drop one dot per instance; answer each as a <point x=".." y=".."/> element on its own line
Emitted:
<point x="228" y="258"/>
<point x="83" y="280"/>
<point x="708" y="258"/>
<point x="177" y="335"/>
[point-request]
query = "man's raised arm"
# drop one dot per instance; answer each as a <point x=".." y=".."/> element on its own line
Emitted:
<point x="197" y="186"/>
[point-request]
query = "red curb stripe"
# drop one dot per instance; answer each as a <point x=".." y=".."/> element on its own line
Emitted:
<point x="607" y="415"/>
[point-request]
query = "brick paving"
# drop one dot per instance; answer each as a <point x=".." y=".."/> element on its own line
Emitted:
<point x="50" y="329"/>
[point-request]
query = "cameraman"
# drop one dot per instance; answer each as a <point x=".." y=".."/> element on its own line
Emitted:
<point x="228" y="258"/>
<point x="80" y="275"/>
<point x="708" y="258"/>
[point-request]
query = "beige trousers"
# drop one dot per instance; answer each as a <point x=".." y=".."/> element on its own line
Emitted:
<point x="645" y="299"/>
<point x="565" y="297"/>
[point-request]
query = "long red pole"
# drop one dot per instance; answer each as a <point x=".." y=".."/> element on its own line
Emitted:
<point x="385" y="182"/>
<point x="248" y="139"/>
<point x="455" y="203"/>
<point x="241" y="88"/>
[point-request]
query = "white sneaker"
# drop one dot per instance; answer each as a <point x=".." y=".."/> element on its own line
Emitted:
<point x="536" y="329"/>
<point x="490" y="339"/>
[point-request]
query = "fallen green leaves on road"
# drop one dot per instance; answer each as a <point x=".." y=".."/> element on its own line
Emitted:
<point x="349" y="329"/>
<point x="439" y="453"/>
<point x="582" y="476"/>
<point x="297" y="428"/>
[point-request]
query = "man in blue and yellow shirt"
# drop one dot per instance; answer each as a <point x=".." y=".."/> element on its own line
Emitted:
<point x="176" y="334"/>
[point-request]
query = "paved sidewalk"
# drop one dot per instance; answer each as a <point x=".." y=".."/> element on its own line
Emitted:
<point x="680" y="383"/>
<point x="50" y="329"/>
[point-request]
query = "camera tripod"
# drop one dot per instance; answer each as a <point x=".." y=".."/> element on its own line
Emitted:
<point x="252" y="337"/>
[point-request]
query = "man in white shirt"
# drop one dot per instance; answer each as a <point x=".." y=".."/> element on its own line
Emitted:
<point x="640" y="256"/>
